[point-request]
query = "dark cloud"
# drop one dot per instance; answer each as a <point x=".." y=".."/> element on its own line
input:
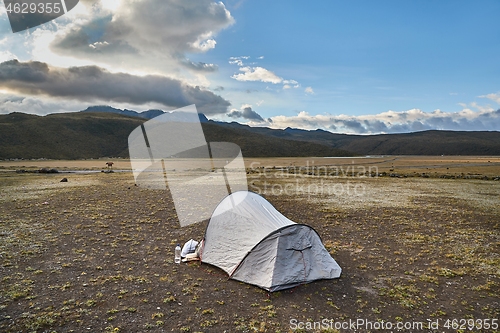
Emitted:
<point x="375" y="126"/>
<point x="81" y="42"/>
<point x="416" y="126"/>
<point x="354" y="125"/>
<point x="246" y="113"/>
<point x="198" y="66"/>
<point x="89" y="83"/>
<point x="34" y="72"/>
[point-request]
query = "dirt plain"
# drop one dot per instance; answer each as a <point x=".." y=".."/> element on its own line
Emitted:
<point x="95" y="254"/>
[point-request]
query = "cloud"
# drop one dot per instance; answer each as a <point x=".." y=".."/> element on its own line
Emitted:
<point x="246" y="112"/>
<point x="92" y="83"/>
<point x="238" y="60"/>
<point x="493" y="97"/>
<point x="309" y="90"/>
<point x="40" y="106"/>
<point x="153" y="35"/>
<point x="198" y="66"/>
<point x="482" y="119"/>
<point x="257" y="74"/>
<point x="6" y="55"/>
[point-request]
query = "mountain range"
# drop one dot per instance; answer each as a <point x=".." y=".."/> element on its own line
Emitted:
<point x="102" y="131"/>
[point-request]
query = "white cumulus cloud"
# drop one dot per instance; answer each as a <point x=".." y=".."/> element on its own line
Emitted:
<point x="257" y="74"/>
<point x="493" y="97"/>
<point x="149" y="35"/>
<point x="480" y="119"/>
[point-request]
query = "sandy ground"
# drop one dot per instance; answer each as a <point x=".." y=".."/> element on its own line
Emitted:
<point x="486" y="165"/>
<point x="95" y="253"/>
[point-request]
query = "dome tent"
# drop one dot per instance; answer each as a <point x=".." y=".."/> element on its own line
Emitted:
<point x="254" y="243"/>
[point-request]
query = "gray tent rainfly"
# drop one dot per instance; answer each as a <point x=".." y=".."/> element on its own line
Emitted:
<point x="254" y="243"/>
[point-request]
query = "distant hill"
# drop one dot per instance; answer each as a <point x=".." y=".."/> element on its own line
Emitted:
<point x="419" y="143"/>
<point x="65" y="135"/>
<point x="431" y="142"/>
<point x="149" y="114"/>
<point x="87" y="134"/>
<point x="427" y="143"/>
<point x="102" y="131"/>
<point x="259" y="145"/>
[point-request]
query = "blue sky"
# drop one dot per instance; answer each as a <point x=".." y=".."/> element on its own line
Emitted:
<point x="350" y="67"/>
<point x="373" y="56"/>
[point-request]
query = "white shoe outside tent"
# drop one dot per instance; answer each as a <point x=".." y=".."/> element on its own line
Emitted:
<point x="254" y="243"/>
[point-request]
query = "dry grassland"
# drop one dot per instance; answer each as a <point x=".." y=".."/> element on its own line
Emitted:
<point x="95" y="254"/>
